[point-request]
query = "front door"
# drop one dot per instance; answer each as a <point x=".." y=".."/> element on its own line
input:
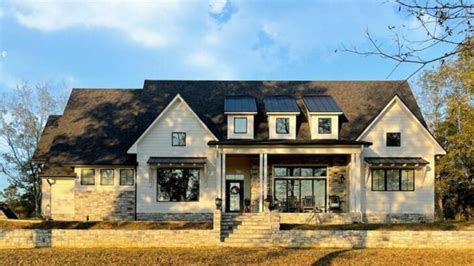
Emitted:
<point x="234" y="191"/>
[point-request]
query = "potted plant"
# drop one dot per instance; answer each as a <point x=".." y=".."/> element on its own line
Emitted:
<point x="218" y="203"/>
<point x="247" y="204"/>
<point x="268" y="203"/>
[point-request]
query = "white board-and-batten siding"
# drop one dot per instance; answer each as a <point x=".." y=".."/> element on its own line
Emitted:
<point x="415" y="142"/>
<point x="157" y="143"/>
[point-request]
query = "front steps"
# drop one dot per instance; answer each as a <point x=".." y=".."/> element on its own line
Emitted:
<point x="246" y="229"/>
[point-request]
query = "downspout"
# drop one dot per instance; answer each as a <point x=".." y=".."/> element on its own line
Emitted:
<point x="51" y="182"/>
<point x="363" y="178"/>
<point x="136" y="181"/>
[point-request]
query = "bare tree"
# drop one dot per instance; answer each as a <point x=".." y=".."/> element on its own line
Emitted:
<point x="23" y="114"/>
<point x="447" y="26"/>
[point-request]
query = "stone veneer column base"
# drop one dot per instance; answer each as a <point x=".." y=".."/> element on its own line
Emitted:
<point x="189" y="217"/>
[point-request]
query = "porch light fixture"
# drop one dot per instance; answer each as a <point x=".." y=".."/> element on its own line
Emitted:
<point x="342" y="178"/>
<point x="218" y="203"/>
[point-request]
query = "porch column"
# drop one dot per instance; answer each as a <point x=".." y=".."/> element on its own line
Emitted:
<point x="260" y="182"/>
<point x="223" y="178"/>
<point x="218" y="174"/>
<point x="265" y="175"/>
<point x="355" y="185"/>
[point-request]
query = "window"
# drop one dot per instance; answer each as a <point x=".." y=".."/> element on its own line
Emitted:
<point x="107" y="177"/>
<point x="324" y="125"/>
<point x="393" y="139"/>
<point x="87" y="177"/>
<point x="178" y="184"/>
<point x="178" y="139"/>
<point x="300" y="195"/>
<point x="282" y="125"/>
<point x="240" y="125"/>
<point x="393" y="179"/>
<point x="282" y="171"/>
<point x="126" y="177"/>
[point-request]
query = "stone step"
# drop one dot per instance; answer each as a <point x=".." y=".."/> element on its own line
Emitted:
<point x="244" y="224"/>
<point x="243" y="219"/>
<point x="249" y="236"/>
<point x="247" y="240"/>
<point x="250" y="231"/>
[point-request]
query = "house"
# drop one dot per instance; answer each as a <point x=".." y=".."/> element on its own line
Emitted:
<point x="171" y="150"/>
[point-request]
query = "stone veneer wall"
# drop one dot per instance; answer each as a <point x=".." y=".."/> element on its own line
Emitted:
<point x="319" y="218"/>
<point x="191" y="217"/>
<point x="375" y="239"/>
<point x="26" y="238"/>
<point x="398" y="218"/>
<point x="104" y="205"/>
<point x="337" y="164"/>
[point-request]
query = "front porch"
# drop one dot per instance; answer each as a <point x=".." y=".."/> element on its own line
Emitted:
<point x="303" y="185"/>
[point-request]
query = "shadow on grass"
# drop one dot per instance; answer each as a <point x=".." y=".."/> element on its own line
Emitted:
<point x="443" y="226"/>
<point x="328" y="258"/>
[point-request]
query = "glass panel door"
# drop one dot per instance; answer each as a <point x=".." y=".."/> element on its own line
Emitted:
<point x="234" y="195"/>
<point x="294" y="195"/>
<point x="320" y="194"/>
<point x="307" y="199"/>
<point x="280" y="195"/>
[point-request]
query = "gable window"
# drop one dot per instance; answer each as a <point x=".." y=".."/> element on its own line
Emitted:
<point x="393" y="179"/>
<point x="393" y="139"/>
<point x="177" y="184"/>
<point x="126" y="177"/>
<point x="282" y="125"/>
<point x="324" y="125"/>
<point x="87" y="177"/>
<point x="107" y="177"/>
<point x="240" y="125"/>
<point x="178" y="139"/>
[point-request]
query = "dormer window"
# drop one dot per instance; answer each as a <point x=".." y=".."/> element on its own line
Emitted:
<point x="282" y="112"/>
<point x="324" y="125"/>
<point x="282" y="125"/>
<point x="240" y="125"/>
<point x="240" y="111"/>
<point x="323" y="116"/>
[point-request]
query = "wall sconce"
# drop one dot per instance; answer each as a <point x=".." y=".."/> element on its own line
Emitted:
<point x="341" y="178"/>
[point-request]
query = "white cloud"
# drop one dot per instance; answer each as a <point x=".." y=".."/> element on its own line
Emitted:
<point x="151" y="24"/>
<point x="1" y="12"/>
<point x="4" y="54"/>
<point x="217" y="6"/>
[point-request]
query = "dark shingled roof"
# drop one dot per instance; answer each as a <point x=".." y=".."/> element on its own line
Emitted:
<point x="236" y="104"/>
<point x="49" y="133"/>
<point x="277" y="104"/>
<point x="321" y="103"/>
<point x="98" y="126"/>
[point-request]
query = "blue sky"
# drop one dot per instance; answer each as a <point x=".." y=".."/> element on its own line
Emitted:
<point x="118" y="44"/>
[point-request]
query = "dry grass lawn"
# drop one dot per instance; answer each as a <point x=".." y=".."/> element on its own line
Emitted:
<point x="135" y="225"/>
<point x="443" y="226"/>
<point x="225" y="256"/>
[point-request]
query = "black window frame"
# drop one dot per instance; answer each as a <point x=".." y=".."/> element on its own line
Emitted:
<point x="295" y="171"/>
<point x="330" y="125"/>
<point x="276" y="125"/>
<point x="120" y="176"/>
<point x="246" y="124"/>
<point x="93" y="177"/>
<point x="172" y="139"/>
<point x="100" y="176"/>
<point x="388" y="140"/>
<point x="400" y="189"/>
<point x="312" y="179"/>
<point x="171" y="168"/>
